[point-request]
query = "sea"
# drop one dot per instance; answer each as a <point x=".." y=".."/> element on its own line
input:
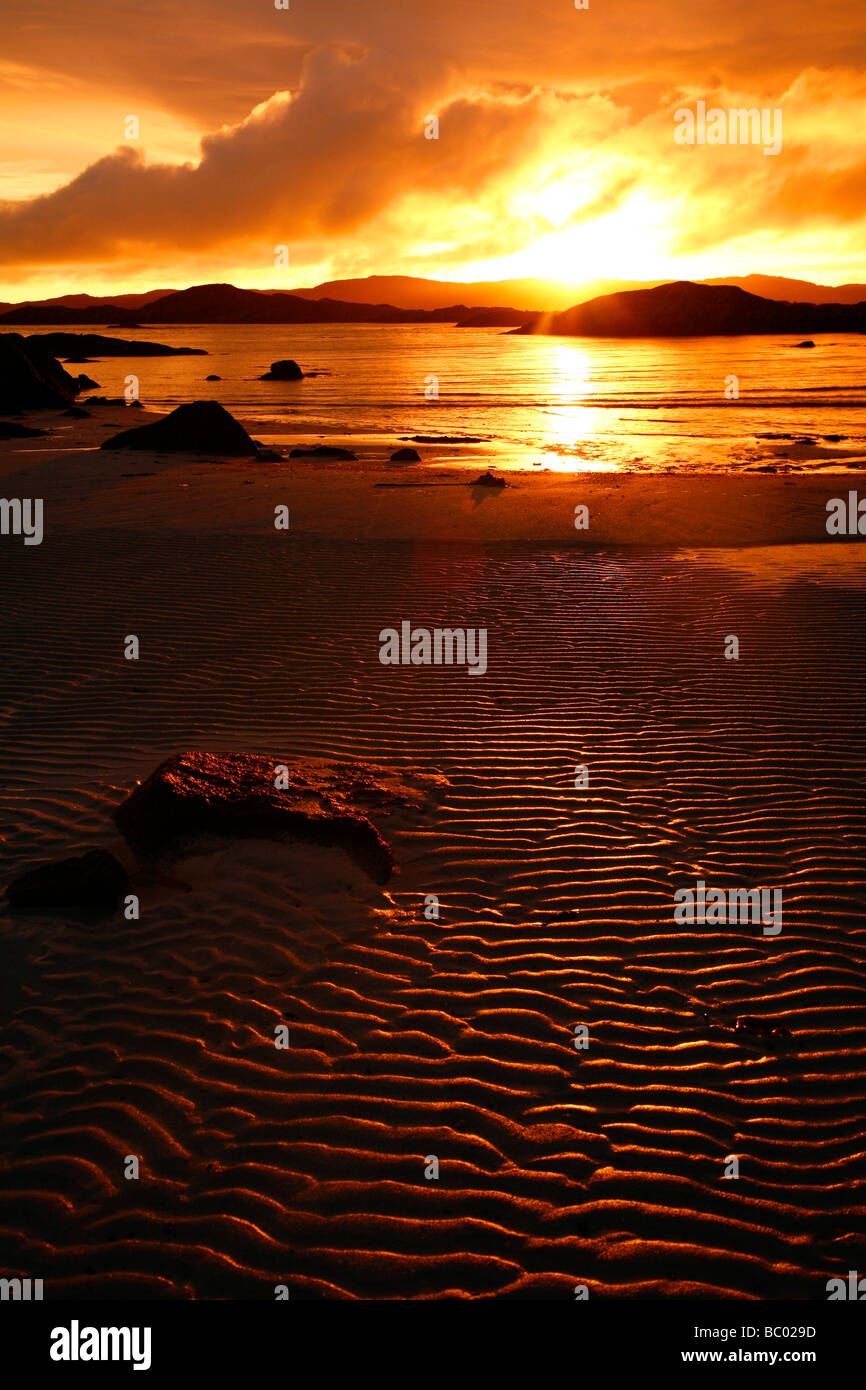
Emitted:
<point x="730" y="404"/>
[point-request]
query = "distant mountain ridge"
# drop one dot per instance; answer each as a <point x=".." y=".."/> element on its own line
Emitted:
<point x="668" y="309"/>
<point x="228" y="304"/>
<point x="381" y="298"/>
<point x="407" y="291"/>
<point x="684" y="309"/>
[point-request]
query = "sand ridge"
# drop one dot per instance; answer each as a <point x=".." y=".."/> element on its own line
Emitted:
<point x="453" y="1037"/>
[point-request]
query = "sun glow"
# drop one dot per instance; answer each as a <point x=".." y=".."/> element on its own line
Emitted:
<point x="631" y="242"/>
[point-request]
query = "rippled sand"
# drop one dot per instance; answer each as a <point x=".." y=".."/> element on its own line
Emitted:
<point x="455" y="1038"/>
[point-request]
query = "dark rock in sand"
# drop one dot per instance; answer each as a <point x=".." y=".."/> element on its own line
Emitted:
<point x="192" y="794"/>
<point x="91" y="883"/>
<point x="488" y="480"/>
<point x="406" y="456"/>
<point x="10" y="430"/>
<point x="213" y="377"/>
<point x="286" y="370"/>
<point x="77" y="413"/>
<point x="31" y="378"/>
<point x="201" y="427"/>
<point x="322" y="451"/>
<point x="761" y="1026"/>
<point x="446" y="439"/>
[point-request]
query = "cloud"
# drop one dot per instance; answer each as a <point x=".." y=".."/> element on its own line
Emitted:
<point x="312" y="126"/>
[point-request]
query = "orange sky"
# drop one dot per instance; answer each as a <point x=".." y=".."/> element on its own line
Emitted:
<point x="304" y="127"/>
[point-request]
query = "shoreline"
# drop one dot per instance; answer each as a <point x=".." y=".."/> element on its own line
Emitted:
<point x="85" y="488"/>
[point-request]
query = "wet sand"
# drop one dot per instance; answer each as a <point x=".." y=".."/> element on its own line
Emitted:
<point x="412" y="1036"/>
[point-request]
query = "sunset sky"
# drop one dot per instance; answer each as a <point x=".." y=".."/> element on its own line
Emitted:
<point x="261" y="127"/>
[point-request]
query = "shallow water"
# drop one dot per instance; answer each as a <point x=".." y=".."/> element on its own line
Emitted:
<point x="561" y="403"/>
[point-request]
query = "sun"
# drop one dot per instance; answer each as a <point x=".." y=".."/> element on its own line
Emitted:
<point x="629" y="243"/>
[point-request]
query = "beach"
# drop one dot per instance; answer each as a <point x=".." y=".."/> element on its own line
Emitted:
<point x="435" y="1016"/>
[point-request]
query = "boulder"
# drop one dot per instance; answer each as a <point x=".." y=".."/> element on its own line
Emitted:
<point x="488" y="480"/>
<point x="213" y="377"/>
<point x="31" y="378"/>
<point x="233" y="794"/>
<point x="86" y="383"/>
<point x="286" y="370"/>
<point x="201" y="427"/>
<point x="90" y="884"/>
<point x="807" y="343"/>
<point x="406" y="456"/>
<point x="322" y="451"/>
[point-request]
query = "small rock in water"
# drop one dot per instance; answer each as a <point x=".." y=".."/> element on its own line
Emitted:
<point x="213" y="378"/>
<point x="286" y="370"/>
<point x="807" y="343"/>
<point x="488" y="480"/>
<point x="406" y="456"/>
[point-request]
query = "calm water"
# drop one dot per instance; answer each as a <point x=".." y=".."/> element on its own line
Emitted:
<point x="558" y="403"/>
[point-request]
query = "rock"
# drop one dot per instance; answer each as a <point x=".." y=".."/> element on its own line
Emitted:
<point x="91" y="884"/>
<point x="322" y="451"/>
<point x="406" y="456"/>
<point x="748" y="1024"/>
<point x="77" y="413"/>
<point x="834" y="438"/>
<point x="78" y="360"/>
<point x="95" y="345"/>
<point x="446" y="439"/>
<point x="286" y="370"/>
<point x="487" y="480"/>
<point x="86" y="383"/>
<point x="233" y="794"/>
<point x="201" y="427"/>
<point x="269" y="456"/>
<point x="213" y="377"/>
<point x="11" y="430"/>
<point x="31" y="378"/>
<point x="807" y="343"/>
